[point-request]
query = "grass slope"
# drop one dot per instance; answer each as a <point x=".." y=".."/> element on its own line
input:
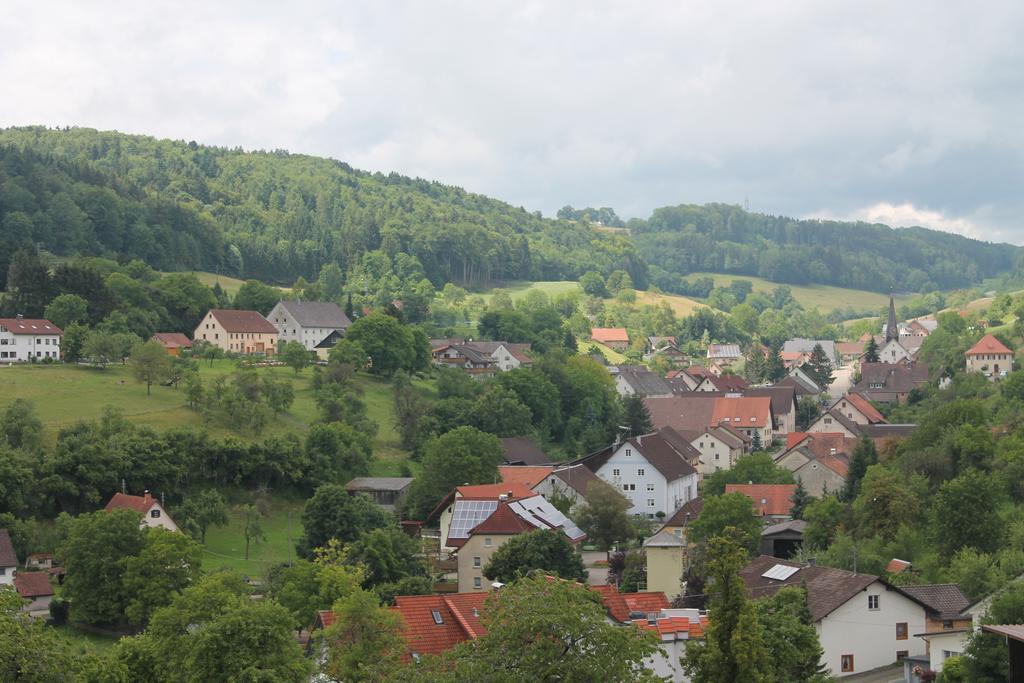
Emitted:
<point x="225" y="545"/>
<point x="823" y="297"/>
<point x="680" y="305"/>
<point x="517" y="290"/>
<point x="231" y="285"/>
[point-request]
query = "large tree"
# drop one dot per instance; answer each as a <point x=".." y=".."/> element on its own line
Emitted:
<point x="983" y="528"/>
<point x="864" y="455"/>
<point x="819" y="367"/>
<point x="636" y="415"/>
<point x="150" y="363"/>
<point x="464" y="455"/>
<point x="167" y="563"/>
<point x="390" y="345"/>
<point x="365" y="641"/>
<point x="790" y="637"/>
<point x="334" y="513"/>
<point x="604" y="515"/>
<point x="729" y="511"/>
<point x="545" y="550"/>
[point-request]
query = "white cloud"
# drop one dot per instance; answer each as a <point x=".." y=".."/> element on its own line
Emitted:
<point x="906" y="215"/>
<point x="797" y="105"/>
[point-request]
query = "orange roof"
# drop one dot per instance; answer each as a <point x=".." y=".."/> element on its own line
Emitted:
<point x="528" y="476"/>
<point x="620" y="605"/>
<point x="896" y="566"/>
<point x="609" y="334"/>
<point x="123" y="501"/>
<point x="514" y="491"/>
<point x="675" y="625"/>
<point x="459" y="614"/>
<point x="172" y="340"/>
<point x="768" y="499"/>
<point x="33" y="584"/>
<point x="988" y="344"/>
<point x="743" y="412"/>
<point x="866" y="409"/>
<point x="793" y="438"/>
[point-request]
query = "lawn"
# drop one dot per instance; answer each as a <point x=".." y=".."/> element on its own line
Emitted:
<point x="610" y="355"/>
<point x="225" y="545"/>
<point x="823" y="297"/>
<point x="64" y="394"/>
<point x="83" y="640"/>
<point x="517" y="290"/>
<point x="680" y="305"/>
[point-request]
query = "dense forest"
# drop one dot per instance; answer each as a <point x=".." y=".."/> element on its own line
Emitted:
<point x="272" y="216"/>
<point x="721" y="238"/>
<point x="276" y="216"/>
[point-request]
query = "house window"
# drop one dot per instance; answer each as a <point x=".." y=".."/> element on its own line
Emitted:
<point x="476" y="582"/>
<point x="615" y="472"/>
<point x="872" y="602"/>
<point x="437" y="616"/>
<point x="828" y="420"/>
<point x="650" y="487"/>
<point x="901" y="655"/>
<point x="650" y="502"/>
<point x="154" y="513"/>
<point x="3" y="571"/>
<point x="640" y="472"/>
<point x="901" y="631"/>
<point x="476" y="563"/>
<point x="628" y="452"/>
<point x="702" y="444"/>
<point x="625" y="487"/>
<point x="487" y="543"/>
<point x="847" y="663"/>
<point x="947" y="625"/>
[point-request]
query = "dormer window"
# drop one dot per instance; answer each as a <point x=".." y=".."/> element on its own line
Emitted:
<point x="436" y="614"/>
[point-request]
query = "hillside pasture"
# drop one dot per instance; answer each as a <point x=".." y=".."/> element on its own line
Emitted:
<point x="823" y="297"/>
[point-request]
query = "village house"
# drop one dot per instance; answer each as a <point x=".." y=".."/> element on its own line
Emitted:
<point x="863" y="623"/>
<point x="613" y="337"/>
<point x="687" y="379"/>
<point x="480" y="358"/>
<point x="152" y="511"/>
<point x="637" y="380"/>
<point x="819" y="460"/>
<point x="849" y="352"/>
<point x="784" y="405"/>
<point x="806" y="346"/>
<point x="900" y="350"/>
<point x="510" y="518"/>
<point x="857" y="409"/>
<point x="749" y="415"/>
<point x="307" y="322"/>
<point x="567" y="481"/>
<point x="783" y="539"/>
<point x="521" y="450"/>
<point x="723" y="383"/>
<point x="241" y="332"/>
<point x="889" y="382"/>
<point x="771" y="501"/>
<point x="471" y="505"/>
<point x="947" y="624"/>
<point x="799" y="376"/>
<point x="35" y="587"/>
<point x="173" y="342"/>
<point x="8" y="559"/>
<point x="387" y="492"/>
<point x="652" y="473"/>
<point x="665" y="555"/>
<point x="990" y="357"/>
<point x="723" y="355"/>
<point x="719" y="448"/>
<point x="24" y="340"/>
<point x="665" y="347"/>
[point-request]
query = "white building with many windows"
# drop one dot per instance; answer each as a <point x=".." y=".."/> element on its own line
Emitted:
<point x="307" y="322"/>
<point x="649" y="471"/>
<point x="28" y="339"/>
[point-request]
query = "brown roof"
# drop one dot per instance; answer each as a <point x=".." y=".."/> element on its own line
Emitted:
<point x="850" y="348"/>
<point x="243" y="321"/>
<point x="896" y="378"/>
<point x="140" y="504"/>
<point x="576" y="477"/>
<point x="1011" y="631"/>
<point x="655" y="448"/>
<point x="827" y="588"/>
<point x="8" y="558"/>
<point x="520" y="450"/>
<point x="750" y="411"/>
<point x="988" y="344"/>
<point x="896" y="566"/>
<point x="799" y="387"/>
<point x="33" y="584"/>
<point x="783" y="397"/>
<point x="690" y="511"/>
<point x="690" y="412"/>
<point x="768" y="499"/>
<point x="865" y="408"/>
<point x="609" y="334"/>
<point x="503" y="521"/>
<point x="29" y="326"/>
<point x="942" y="600"/>
<point x="731" y="383"/>
<point x="173" y="340"/>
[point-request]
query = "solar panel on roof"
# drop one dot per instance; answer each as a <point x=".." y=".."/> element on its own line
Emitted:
<point x="541" y="513"/>
<point x="468" y="514"/>
<point x="780" y="572"/>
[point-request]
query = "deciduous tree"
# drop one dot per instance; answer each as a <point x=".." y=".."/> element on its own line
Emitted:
<point x="545" y="550"/>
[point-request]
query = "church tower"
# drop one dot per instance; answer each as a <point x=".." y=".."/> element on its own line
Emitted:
<point x="892" y="330"/>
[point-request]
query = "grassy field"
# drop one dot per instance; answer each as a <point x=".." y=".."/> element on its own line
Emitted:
<point x="225" y="545"/>
<point x="610" y="355"/>
<point x="823" y="297"/>
<point x="71" y="393"/>
<point x="227" y="283"/>
<point x="680" y="305"/>
<point x="83" y="640"/>
<point x="517" y="290"/>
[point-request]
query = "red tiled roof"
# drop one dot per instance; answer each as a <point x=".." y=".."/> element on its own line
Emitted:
<point x="503" y="521"/>
<point x="29" y="326"/>
<point x="514" y="491"/>
<point x="866" y="409"/>
<point x="793" y="438"/>
<point x="243" y="321"/>
<point x="527" y="476"/>
<point x="172" y="340"/>
<point x="988" y="344"/>
<point x="674" y="625"/>
<point x="768" y="499"/>
<point x="620" y="605"/>
<point x="459" y="615"/>
<point x="896" y="566"/>
<point x="609" y="334"/>
<point x="751" y="411"/>
<point x="140" y="504"/>
<point x="33" y="584"/>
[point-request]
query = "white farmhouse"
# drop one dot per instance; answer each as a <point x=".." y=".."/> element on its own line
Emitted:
<point x="649" y="471"/>
<point x="863" y="623"/>
<point x="8" y="559"/>
<point x="153" y="513"/>
<point x="307" y="322"/>
<point x="28" y="339"/>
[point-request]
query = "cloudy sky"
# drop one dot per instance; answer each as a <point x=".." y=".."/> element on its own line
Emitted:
<point x="906" y="113"/>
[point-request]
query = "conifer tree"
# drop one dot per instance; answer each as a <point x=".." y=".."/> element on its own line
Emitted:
<point x="864" y="455"/>
<point x="636" y="415"/>
<point x="871" y="351"/>
<point x="819" y="368"/>
<point x="800" y="500"/>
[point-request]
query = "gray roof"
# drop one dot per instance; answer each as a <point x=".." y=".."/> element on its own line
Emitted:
<point x="943" y="600"/>
<point x="7" y="556"/>
<point x="317" y="314"/>
<point x="664" y="539"/>
<point x="378" y="484"/>
<point x="797" y="525"/>
<point x="577" y="477"/>
<point x="643" y="381"/>
<point x="807" y="345"/>
<point x="724" y="351"/>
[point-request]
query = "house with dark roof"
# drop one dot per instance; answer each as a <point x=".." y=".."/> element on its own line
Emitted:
<point x="567" y="481"/>
<point x="8" y="559"/>
<point x="387" y="492"/>
<point x="649" y="471"/>
<point x="521" y="450"/>
<point x="173" y="342"/>
<point x="890" y="382"/>
<point x="150" y="509"/>
<point x="819" y="460"/>
<point x="784" y="539"/>
<point x="37" y="589"/>
<point x="24" y="340"/>
<point x="863" y="623"/>
<point x="480" y="358"/>
<point x="636" y="380"/>
<point x="784" y="399"/>
<point x="722" y="383"/>
<point x="948" y="626"/>
<point x="989" y="356"/>
<point x="242" y="332"/>
<point x="308" y="322"/>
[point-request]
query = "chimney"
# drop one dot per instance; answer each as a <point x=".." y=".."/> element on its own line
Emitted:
<point x="146" y="496"/>
<point x="19" y="316"/>
<point x="503" y="497"/>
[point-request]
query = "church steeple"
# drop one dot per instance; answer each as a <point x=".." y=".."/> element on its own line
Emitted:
<point x="892" y="331"/>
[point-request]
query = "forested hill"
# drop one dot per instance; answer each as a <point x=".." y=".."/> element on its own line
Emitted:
<point x="272" y="216"/>
<point x="678" y="240"/>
